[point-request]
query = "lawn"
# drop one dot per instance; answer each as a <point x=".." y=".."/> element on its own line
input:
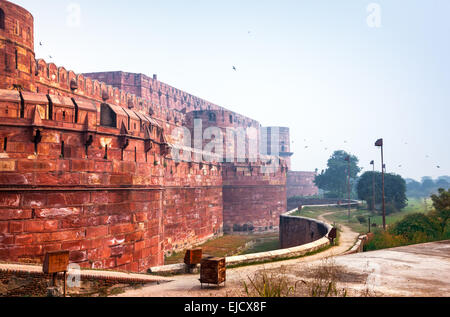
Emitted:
<point x="230" y="245"/>
<point x="340" y="214"/>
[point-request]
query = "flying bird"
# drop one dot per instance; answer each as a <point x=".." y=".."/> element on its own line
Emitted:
<point x="40" y="43"/>
<point x="234" y="68"/>
<point x="438" y="166"/>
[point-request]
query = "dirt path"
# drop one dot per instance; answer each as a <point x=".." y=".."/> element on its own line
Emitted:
<point x="189" y="285"/>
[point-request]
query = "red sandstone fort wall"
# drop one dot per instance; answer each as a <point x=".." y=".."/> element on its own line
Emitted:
<point x="253" y="200"/>
<point x="301" y="184"/>
<point x="111" y="192"/>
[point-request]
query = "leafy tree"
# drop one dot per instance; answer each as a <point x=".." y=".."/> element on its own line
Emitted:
<point x="441" y="204"/>
<point x="413" y="188"/>
<point x="427" y="187"/>
<point x="394" y="190"/>
<point x="334" y="178"/>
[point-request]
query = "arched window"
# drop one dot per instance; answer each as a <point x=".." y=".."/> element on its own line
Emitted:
<point x="2" y="19"/>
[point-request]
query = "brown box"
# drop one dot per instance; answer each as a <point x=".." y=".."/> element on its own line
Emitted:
<point x="56" y="262"/>
<point x="193" y="257"/>
<point x="213" y="271"/>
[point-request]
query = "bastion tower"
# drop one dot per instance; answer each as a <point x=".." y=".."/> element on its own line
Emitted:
<point x="17" y="58"/>
<point x="87" y="164"/>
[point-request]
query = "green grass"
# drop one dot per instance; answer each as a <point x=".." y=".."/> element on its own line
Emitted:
<point x="228" y="245"/>
<point x="340" y="214"/>
<point x="269" y="243"/>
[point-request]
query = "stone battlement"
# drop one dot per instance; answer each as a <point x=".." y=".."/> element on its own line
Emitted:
<point x="87" y="164"/>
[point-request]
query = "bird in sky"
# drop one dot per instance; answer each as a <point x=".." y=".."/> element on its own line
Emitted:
<point x="234" y="68"/>
<point x="438" y="166"/>
<point x="50" y="56"/>
<point x="40" y="43"/>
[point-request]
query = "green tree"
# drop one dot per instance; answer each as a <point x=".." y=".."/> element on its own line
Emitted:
<point x="427" y="185"/>
<point x="334" y="178"/>
<point x="394" y="190"/>
<point x="413" y="188"/>
<point x="441" y="205"/>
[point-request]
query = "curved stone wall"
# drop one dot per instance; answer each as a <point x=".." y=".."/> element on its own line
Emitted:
<point x="295" y="231"/>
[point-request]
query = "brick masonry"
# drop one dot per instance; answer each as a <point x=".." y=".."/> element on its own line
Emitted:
<point x="301" y="184"/>
<point x="86" y="164"/>
<point x="296" y="231"/>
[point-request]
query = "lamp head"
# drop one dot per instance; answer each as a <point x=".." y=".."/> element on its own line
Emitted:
<point x="379" y="142"/>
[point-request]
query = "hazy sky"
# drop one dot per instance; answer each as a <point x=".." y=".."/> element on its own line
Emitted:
<point x="319" y="67"/>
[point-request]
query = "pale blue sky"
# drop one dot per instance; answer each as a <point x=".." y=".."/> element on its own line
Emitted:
<point x="314" y="66"/>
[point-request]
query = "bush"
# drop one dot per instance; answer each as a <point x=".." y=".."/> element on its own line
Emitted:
<point x="417" y="225"/>
<point x="391" y="208"/>
<point x="385" y="240"/>
<point x="361" y="219"/>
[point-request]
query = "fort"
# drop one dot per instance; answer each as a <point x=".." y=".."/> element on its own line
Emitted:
<point x="87" y="164"/>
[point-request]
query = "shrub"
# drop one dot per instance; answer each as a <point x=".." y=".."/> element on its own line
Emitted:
<point x="391" y="208"/>
<point x="385" y="240"/>
<point x="361" y="219"/>
<point x="417" y="223"/>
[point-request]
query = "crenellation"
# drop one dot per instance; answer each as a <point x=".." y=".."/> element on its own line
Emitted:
<point x="91" y="156"/>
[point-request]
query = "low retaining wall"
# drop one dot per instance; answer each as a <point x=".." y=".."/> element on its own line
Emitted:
<point x="320" y="202"/>
<point x="29" y="280"/>
<point x="359" y="245"/>
<point x="295" y="231"/>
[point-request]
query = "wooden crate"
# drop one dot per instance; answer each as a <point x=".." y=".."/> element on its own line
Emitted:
<point x="213" y="271"/>
<point x="193" y="257"/>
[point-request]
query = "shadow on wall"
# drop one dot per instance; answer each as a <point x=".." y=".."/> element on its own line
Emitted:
<point x="295" y="231"/>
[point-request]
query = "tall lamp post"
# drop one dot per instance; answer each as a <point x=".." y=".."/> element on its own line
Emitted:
<point x="379" y="143"/>
<point x="348" y="185"/>
<point x="373" y="187"/>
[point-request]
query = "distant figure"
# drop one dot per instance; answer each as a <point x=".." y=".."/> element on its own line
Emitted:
<point x="234" y="68"/>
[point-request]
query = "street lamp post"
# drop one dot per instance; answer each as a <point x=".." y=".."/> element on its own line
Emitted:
<point x="348" y="185"/>
<point x="379" y="143"/>
<point x="373" y="187"/>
